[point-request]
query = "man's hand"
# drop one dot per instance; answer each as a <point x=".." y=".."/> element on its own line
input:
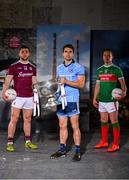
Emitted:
<point x="63" y="80"/>
<point x="5" y="97"/>
<point x="122" y="96"/>
<point x="95" y="103"/>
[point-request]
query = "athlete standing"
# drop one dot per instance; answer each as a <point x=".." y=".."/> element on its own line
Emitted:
<point x="107" y="77"/>
<point x="23" y="73"/>
<point x="72" y="76"/>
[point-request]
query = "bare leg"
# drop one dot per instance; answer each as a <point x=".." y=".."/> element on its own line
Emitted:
<point x="76" y="131"/>
<point x="27" y="113"/>
<point x="63" y="129"/>
<point x="13" y="122"/>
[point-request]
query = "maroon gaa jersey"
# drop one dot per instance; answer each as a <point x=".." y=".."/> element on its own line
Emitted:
<point x="22" y="76"/>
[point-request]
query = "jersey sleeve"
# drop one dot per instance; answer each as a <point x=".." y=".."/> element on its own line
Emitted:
<point x="10" y="70"/>
<point x="97" y="76"/>
<point x="81" y="70"/>
<point x="119" y="73"/>
<point x="34" y="72"/>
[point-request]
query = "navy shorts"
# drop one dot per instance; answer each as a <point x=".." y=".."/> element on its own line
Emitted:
<point x="71" y="109"/>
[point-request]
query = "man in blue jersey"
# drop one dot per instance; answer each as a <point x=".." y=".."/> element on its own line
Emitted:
<point x="72" y="76"/>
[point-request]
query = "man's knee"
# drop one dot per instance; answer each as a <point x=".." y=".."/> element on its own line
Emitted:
<point x="27" y="119"/>
<point x="75" y="127"/>
<point x="63" y="126"/>
<point x="114" y="120"/>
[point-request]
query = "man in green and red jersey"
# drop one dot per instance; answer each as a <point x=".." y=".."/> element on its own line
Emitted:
<point x="107" y="77"/>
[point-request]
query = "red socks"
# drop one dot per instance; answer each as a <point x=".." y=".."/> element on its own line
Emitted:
<point x="104" y="130"/>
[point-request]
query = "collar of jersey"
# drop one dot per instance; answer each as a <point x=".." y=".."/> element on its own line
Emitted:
<point x="107" y="65"/>
<point x="23" y="63"/>
<point x="69" y="64"/>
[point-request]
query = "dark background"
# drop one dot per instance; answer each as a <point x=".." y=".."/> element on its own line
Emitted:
<point x="118" y="42"/>
<point x="107" y="19"/>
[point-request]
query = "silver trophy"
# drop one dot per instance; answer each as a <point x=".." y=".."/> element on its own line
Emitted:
<point x="47" y="93"/>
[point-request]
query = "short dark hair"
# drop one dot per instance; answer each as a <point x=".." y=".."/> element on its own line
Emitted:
<point x="24" y="47"/>
<point x="68" y="46"/>
<point x="107" y="49"/>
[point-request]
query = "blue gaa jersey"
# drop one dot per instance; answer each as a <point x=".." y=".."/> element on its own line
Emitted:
<point x="71" y="73"/>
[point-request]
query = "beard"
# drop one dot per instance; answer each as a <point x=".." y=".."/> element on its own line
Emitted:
<point x="24" y="59"/>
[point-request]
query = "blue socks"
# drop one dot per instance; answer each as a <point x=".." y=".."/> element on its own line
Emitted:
<point x="62" y="147"/>
<point x="77" y="149"/>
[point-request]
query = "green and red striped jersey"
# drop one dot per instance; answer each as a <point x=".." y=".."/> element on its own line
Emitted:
<point x="108" y="77"/>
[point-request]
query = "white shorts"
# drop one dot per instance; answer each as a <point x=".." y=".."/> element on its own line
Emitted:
<point x="108" y="107"/>
<point x="23" y="103"/>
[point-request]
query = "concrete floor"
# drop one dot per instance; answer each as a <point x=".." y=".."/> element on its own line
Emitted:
<point x="95" y="164"/>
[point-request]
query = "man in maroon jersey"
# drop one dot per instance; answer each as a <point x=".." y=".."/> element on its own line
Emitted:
<point x="23" y="73"/>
